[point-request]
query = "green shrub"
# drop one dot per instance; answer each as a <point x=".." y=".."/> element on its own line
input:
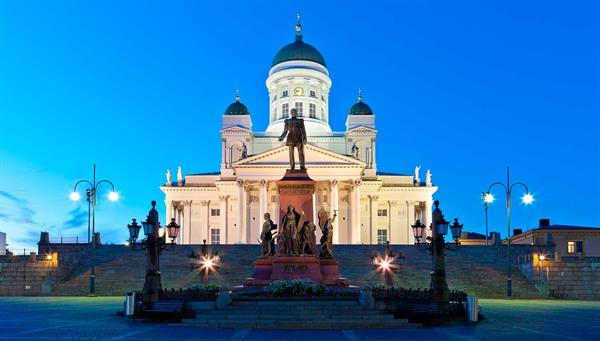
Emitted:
<point x="295" y="288"/>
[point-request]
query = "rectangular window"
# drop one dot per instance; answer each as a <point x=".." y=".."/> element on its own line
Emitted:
<point x="322" y="97"/>
<point x="215" y="212"/>
<point x="274" y="97"/>
<point x="382" y="213"/>
<point x="313" y="94"/>
<point x="284" y="94"/>
<point x="285" y="110"/>
<point x="570" y="247"/>
<point x="299" y="106"/>
<point x="381" y="236"/>
<point x="215" y="236"/>
<point x="579" y="246"/>
<point x="312" y="110"/>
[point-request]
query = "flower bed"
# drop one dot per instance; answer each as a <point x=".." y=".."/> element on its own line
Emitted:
<point x="194" y="293"/>
<point x="298" y="289"/>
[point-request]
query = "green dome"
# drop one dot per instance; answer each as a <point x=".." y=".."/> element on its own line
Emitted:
<point x="360" y="108"/>
<point x="298" y="50"/>
<point x="237" y="108"/>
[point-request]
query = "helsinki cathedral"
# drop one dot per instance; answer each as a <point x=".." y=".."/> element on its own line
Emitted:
<point x="227" y="207"/>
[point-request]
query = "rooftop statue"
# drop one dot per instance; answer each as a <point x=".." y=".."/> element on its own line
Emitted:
<point x="417" y="178"/>
<point x="296" y="137"/>
<point x="428" y="178"/>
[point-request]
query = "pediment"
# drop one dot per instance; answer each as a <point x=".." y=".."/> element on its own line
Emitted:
<point x="362" y="130"/>
<point x="317" y="160"/>
<point x="236" y="130"/>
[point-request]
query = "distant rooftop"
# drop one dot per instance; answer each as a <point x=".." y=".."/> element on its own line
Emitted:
<point x="207" y="173"/>
<point x="394" y="174"/>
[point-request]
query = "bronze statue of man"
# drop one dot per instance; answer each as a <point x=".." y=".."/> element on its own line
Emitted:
<point x="266" y="236"/>
<point x="296" y="137"/>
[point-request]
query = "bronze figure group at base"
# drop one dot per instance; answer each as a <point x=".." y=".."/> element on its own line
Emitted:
<point x="296" y="236"/>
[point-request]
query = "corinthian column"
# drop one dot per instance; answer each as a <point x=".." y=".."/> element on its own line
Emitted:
<point x="241" y="210"/>
<point x="334" y="197"/>
<point x="356" y="228"/>
<point x="410" y="218"/>
<point x="428" y="216"/>
<point x="223" y="215"/>
<point x="187" y="219"/>
<point x="262" y="199"/>
<point x="206" y="208"/>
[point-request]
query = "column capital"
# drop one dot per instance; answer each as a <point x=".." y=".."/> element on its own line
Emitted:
<point x="187" y="202"/>
<point x="333" y="182"/>
<point x="205" y="202"/>
<point x="241" y="182"/>
<point x="263" y="183"/>
<point x="393" y="202"/>
<point x="356" y="183"/>
<point x="223" y="197"/>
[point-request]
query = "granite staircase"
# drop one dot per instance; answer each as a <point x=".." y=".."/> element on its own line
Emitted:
<point x="478" y="270"/>
<point x="296" y="314"/>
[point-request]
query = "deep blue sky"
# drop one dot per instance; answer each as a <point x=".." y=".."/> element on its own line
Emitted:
<point x="464" y="89"/>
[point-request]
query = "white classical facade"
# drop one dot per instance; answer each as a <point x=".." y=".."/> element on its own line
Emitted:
<point x="226" y="207"/>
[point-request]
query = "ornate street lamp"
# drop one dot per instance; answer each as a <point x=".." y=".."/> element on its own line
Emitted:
<point x="527" y="199"/>
<point x="153" y="244"/>
<point x="456" y="230"/>
<point x="418" y="229"/>
<point x="91" y="195"/>
<point x="437" y="246"/>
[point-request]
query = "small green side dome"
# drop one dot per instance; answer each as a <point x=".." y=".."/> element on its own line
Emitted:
<point x="360" y="108"/>
<point x="237" y="108"/>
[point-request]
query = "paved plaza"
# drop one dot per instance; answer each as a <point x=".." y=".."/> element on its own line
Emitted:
<point x="83" y="318"/>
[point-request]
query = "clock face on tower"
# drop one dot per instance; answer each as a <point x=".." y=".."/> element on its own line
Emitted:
<point x="299" y="91"/>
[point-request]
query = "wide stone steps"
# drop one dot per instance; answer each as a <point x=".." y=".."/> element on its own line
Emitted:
<point x="478" y="270"/>
<point x="336" y="314"/>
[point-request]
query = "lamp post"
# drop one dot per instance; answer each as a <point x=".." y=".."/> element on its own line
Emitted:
<point x="541" y="258"/>
<point x="387" y="264"/>
<point x="437" y="245"/>
<point x="206" y="261"/>
<point x="485" y="208"/>
<point x="527" y="199"/>
<point x="91" y="194"/>
<point x="153" y="244"/>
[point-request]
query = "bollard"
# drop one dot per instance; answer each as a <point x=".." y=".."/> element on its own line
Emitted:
<point x="472" y="309"/>
<point x="130" y="304"/>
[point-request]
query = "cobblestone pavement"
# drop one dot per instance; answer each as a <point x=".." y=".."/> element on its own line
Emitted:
<point x="83" y="318"/>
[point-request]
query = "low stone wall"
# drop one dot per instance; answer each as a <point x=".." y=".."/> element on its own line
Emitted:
<point x="27" y="275"/>
<point x="568" y="278"/>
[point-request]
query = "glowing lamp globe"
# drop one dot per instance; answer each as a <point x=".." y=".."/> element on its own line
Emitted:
<point x="113" y="196"/>
<point x="527" y="198"/>
<point x="488" y="198"/>
<point x="75" y="196"/>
